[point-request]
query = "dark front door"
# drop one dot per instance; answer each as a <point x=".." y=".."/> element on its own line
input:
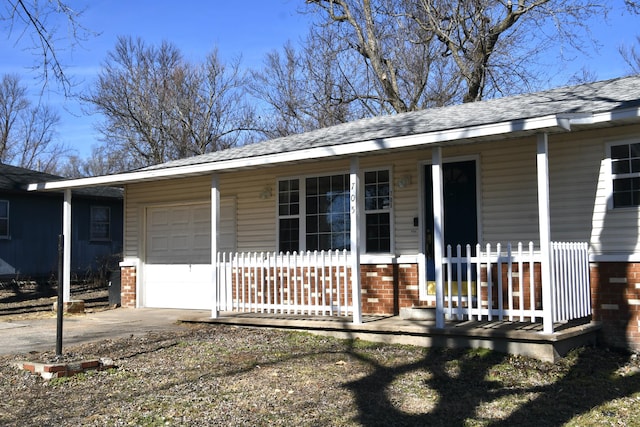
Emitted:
<point x="460" y="208"/>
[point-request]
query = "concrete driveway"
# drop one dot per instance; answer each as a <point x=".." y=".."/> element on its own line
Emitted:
<point x="24" y="336"/>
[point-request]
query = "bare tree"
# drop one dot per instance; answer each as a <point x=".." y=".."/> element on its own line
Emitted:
<point x="27" y="132"/>
<point x="158" y="107"/>
<point x="423" y="53"/>
<point x="631" y="56"/>
<point x="101" y="161"/>
<point x="304" y="90"/>
<point x="35" y="23"/>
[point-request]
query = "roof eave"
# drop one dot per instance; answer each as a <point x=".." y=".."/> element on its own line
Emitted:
<point x="550" y="123"/>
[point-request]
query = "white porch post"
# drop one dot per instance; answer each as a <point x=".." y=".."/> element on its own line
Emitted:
<point x="542" y="159"/>
<point x="438" y="232"/>
<point x="215" y="232"/>
<point x="66" y="238"/>
<point x="354" y="210"/>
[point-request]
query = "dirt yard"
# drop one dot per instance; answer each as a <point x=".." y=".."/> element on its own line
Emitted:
<point x="30" y="299"/>
<point x="206" y="375"/>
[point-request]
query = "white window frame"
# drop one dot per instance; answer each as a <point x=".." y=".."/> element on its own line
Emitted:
<point x="611" y="177"/>
<point x="388" y="210"/>
<point x="298" y="216"/>
<point x="302" y="213"/>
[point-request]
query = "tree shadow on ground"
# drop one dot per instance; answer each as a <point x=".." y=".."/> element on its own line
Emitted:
<point x="466" y="386"/>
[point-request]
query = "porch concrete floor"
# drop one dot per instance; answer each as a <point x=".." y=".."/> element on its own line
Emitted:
<point x="520" y="338"/>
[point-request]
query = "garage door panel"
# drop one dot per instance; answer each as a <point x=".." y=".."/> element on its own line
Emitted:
<point x="177" y="269"/>
<point x="174" y="236"/>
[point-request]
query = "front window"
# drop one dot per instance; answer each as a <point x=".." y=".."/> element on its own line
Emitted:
<point x="100" y="223"/>
<point x="625" y="173"/>
<point x="289" y="215"/>
<point x="313" y="213"/>
<point x="328" y="225"/>
<point x="377" y="207"/>
<point x="4" y="219"/>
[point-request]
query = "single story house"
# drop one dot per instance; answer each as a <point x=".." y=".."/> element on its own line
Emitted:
<point x="523" y="209"/>
<point x="30" y="224"/>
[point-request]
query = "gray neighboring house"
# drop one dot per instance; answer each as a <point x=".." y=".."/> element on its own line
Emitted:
<point x="544" y="188"/>
<point x="30" y="224"/>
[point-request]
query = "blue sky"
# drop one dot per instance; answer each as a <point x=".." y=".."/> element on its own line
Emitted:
<point x="250" y="28"/>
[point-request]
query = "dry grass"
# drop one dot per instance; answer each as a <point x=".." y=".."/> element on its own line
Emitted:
<point x="222" y="375"/>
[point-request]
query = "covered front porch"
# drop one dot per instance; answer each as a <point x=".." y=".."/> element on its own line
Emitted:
<point x="519" y="283"/>
<point x="499" y="286"/>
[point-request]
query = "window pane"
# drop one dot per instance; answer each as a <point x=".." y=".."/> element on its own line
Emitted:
<point x="100" y="223"/>
<point x="378" y="233"/>
<point x="620" y="152"/>
<point x="327" y="206"/>
<point x="288" y="197"/>
<point x="312" y="205"/>
<point x="635" y="150"/>
<point x="621" y="200"/>
<point x="311" y="186"/>
<point x="288" y="205"/>
<point x="620" y="166"/>
<point x="377" y="198"/>
<point x="4" y="209"/>
<point x="4" y="227"/>
<point x="622" y="185"/>
<point x="289" y="235"/>
<point x="312" y="224"/>
<point x="626" y="192"/>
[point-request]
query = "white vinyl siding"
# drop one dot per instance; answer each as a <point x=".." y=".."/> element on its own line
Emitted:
<point x="613" y="231"/>
<point x="573" y="189"/>
<point x="228" y="228"/>
<point x="509" y="207"/>
<point x="507" y="173"/>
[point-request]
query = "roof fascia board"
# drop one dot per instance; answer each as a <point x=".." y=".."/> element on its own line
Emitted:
<point x="604" y="117"/>
<point x="439" y="137"/>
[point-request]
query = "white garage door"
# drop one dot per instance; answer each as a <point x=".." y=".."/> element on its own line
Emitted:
<point x="177" y="271"/>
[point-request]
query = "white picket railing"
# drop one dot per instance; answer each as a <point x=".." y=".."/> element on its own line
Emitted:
<point x="497" y="283"/>
<point x="314" y="283"/>
<point x="486" y="283"/>
<point x="570" y="278"/>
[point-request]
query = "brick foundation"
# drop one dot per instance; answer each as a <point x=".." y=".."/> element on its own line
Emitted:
<point x="386" y="288"/>
<point x="128" y="287"/>
<point x="615" y="296"/>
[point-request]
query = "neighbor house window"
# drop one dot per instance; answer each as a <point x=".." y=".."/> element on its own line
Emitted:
<point x="4" y="219"/>
<point x="625" y="173"/>
<point x="100" y="223"/>
<point x="313" y="213"/>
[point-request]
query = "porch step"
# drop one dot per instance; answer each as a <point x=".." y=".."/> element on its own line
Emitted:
<point x="418" y="313"/>
<point x="526" y="339"/>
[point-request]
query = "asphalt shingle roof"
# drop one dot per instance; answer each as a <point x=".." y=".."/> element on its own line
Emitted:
<point x="609" y="95"/>
<point x="15" y="179"/>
